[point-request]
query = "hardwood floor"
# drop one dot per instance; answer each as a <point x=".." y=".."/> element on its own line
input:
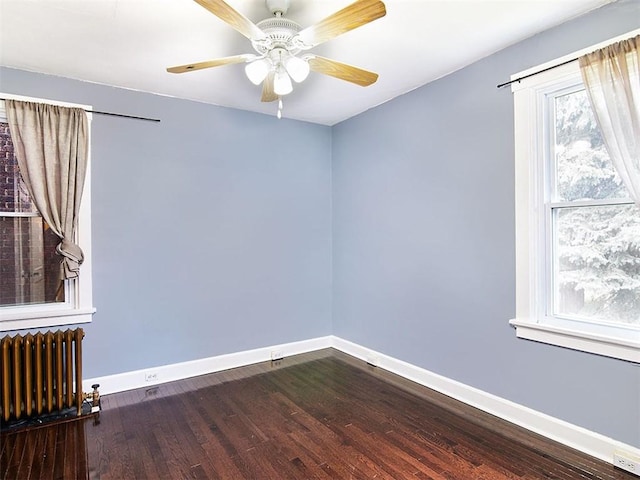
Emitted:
<point x="322" y="415"/>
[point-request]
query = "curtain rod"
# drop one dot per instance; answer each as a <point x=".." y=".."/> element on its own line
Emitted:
<point x="122" y="115"/>
<point x="125" y="116"/>
<point x="536" y="73"/>
<point x="593" y="48"/>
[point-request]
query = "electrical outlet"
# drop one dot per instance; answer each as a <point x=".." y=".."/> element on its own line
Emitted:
<point x="277" y="355"/>
<point x="151" y="377"/>
<point x="627" y="462"/>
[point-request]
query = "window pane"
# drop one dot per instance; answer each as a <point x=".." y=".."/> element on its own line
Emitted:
<point x="597" y="263"/>
<point x="29" y="264"/>
<point x="583" y="168"/>
<point x="13" y="192"/>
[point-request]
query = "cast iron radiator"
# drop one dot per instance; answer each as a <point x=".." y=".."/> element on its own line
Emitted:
<point x="41" y="374"/>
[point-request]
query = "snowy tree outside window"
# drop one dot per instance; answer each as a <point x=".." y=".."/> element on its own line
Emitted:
<point x="595" y="227"/>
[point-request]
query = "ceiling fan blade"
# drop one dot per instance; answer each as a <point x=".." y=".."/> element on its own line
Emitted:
<point x="234" y="18"/>
<point x="190" y="67"/>
<point x="268" y="93"/>
<point x="342" y="71"/>
<point x="352" y="16"/>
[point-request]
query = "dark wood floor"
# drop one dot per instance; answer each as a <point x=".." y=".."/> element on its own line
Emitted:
<point x="321" y="415"/>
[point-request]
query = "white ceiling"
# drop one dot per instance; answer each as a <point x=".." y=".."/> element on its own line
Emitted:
<point x="129" y="43"/>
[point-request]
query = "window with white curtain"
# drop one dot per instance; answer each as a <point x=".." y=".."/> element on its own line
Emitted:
<point x="32" y="293"/>
<point x="577" y="229"/>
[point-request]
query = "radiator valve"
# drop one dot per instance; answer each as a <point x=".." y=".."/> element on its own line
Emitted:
<point x="94" y="397"/>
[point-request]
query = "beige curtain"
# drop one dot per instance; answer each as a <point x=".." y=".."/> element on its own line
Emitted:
<point x="51" y="145"/>
<point x="612" y="79"/>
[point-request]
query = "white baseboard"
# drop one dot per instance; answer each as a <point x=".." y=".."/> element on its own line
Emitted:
<point x="581" y="439"/>
<point x="121" y="382"/>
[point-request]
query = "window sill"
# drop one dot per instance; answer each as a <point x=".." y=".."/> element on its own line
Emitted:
<point x="45" y="319"/>
<point x="624" y="349"/>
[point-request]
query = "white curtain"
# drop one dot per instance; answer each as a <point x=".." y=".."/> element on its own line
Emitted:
<point x="611" y="76"/>
<point x="51" y="145"/>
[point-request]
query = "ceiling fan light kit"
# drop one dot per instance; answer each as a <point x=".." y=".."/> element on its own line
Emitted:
<point x="282" y="82"/>
<point x="297" y="68"/>
<point x="279" y="42"/>
<point x="257" y="70"/>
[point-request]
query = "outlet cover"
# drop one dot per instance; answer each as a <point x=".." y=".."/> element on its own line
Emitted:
<point x="627" y="462"/>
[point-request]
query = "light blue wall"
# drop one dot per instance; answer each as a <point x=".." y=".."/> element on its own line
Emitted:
<point x="423" y="239"/>
<point x="211" y="229"/>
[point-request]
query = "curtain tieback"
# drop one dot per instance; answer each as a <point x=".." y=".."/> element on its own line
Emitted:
<point x="72" y="258"/>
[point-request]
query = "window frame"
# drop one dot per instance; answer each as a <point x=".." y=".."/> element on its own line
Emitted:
<point x="78" y="307"/>
<point x="533" y="220"/>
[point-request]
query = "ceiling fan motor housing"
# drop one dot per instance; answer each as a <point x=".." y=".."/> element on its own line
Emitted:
<point x="280" y="33"/>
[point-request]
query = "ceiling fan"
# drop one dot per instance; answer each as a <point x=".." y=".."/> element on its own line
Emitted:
<point x="281" y="45"/>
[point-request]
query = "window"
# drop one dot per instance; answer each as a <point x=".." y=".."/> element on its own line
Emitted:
<point x="32" y="295"/>
<point x="577" y="230"/>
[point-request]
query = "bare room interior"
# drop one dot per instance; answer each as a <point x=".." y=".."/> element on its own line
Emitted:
<point x="352" y="239"/>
